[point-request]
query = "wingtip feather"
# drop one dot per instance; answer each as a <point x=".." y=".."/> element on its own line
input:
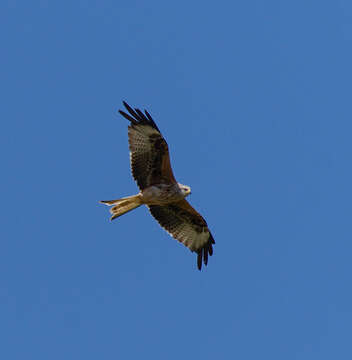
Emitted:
<point x="128" y="117"/>
<point x="205" y="256"/>
<point x="199" y="260"/>
<point x="130" y="110"/>
<point x="137" y="117"/>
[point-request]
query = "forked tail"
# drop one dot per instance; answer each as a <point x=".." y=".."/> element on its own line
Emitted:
<point x="122" y="206"/>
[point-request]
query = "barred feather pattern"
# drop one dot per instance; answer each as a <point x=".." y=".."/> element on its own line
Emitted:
<point x="188" y="227"/>
<point x="149" y="152"/>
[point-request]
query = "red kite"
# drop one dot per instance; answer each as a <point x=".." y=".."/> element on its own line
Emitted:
<point x="159" y="190"/>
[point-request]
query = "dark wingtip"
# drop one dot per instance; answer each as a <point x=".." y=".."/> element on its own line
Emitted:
<point x="205" y="257"/>
<point x="210" y="250"/>
<point x="125" y="104"/>
<point x="205" y="252"/>
<point x="210" y="244"/>
<point x="199" y="260"/>
<point x="131" y="111"/>
<point x="137" y="117"/>
<point x="148" y="115"/>
<point x="128" y="117"/>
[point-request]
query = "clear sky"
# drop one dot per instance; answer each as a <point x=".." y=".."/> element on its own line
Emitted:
<point x="254" y="99"/>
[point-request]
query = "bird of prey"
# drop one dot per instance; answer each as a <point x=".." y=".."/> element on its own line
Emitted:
<point x="159" y="190"/>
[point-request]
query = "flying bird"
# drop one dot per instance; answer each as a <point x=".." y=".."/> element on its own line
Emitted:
<point x="159" y="190"/>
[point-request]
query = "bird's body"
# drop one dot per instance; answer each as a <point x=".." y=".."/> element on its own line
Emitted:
<point x="159" y="190"/>
<point x="163" y="194"/>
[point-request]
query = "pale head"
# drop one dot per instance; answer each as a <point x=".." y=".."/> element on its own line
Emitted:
<point x="185" y="190"/>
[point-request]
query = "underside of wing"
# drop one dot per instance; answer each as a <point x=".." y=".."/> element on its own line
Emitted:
<point x="186" y="225"/>
<point x="149" y="153"/>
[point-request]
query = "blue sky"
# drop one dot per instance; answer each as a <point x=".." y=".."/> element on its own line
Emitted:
<point x="254" y="99"/>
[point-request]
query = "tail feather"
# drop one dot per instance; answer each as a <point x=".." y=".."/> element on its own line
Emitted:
<point x="122" y="206"/>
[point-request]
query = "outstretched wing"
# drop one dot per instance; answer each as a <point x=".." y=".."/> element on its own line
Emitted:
<point x="186" y="225"/>
<point x="149" y="153"/>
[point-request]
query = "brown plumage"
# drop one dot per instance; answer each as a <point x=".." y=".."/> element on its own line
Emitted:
<point x="184" y="223"/>
<point x="150" y="161"/>
<point x="165" y="198"/>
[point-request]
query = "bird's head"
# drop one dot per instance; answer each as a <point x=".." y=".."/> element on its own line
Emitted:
<point x="186" y="190"/>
